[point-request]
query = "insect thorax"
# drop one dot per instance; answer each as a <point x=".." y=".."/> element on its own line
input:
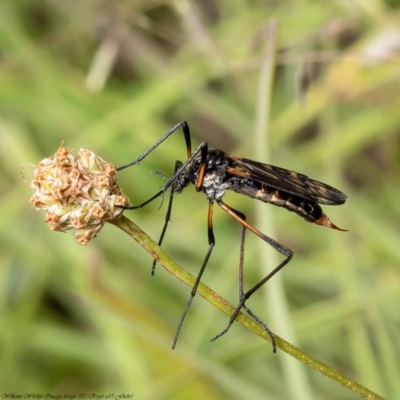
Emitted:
<point x="214" y="184"/>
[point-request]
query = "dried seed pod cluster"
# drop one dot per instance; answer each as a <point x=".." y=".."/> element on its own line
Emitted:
<point x="77" y="192"/>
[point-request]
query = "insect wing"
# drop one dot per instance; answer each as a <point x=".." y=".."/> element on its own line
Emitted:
<point x="287" y="181"/>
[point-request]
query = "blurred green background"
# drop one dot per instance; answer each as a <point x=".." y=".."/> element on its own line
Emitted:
<point x="113" y="76"/>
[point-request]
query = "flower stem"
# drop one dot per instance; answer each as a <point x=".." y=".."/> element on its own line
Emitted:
<point x="213" y="298"/>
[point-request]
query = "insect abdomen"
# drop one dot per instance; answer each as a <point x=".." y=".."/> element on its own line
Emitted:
<point x="309" y="210"/>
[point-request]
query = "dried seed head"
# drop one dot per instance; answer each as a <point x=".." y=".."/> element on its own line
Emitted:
<point x="77" y="192"/>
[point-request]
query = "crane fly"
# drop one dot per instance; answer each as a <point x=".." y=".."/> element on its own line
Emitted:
<point x="212" y="172"/>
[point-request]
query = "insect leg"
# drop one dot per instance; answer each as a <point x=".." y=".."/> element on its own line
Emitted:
<point x="178" y="164"/>
<point x="203" y="166"/>
<point x="246" y="295"/>
<point x="173" y="178"/>
<point x="241" y="284"/>
<point x="186" y="134"/>
<point x="242" y="293"/>
<point x="211" y="244"/>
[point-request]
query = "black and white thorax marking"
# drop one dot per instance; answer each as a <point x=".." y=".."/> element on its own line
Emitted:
<point x="215" y="180"/>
